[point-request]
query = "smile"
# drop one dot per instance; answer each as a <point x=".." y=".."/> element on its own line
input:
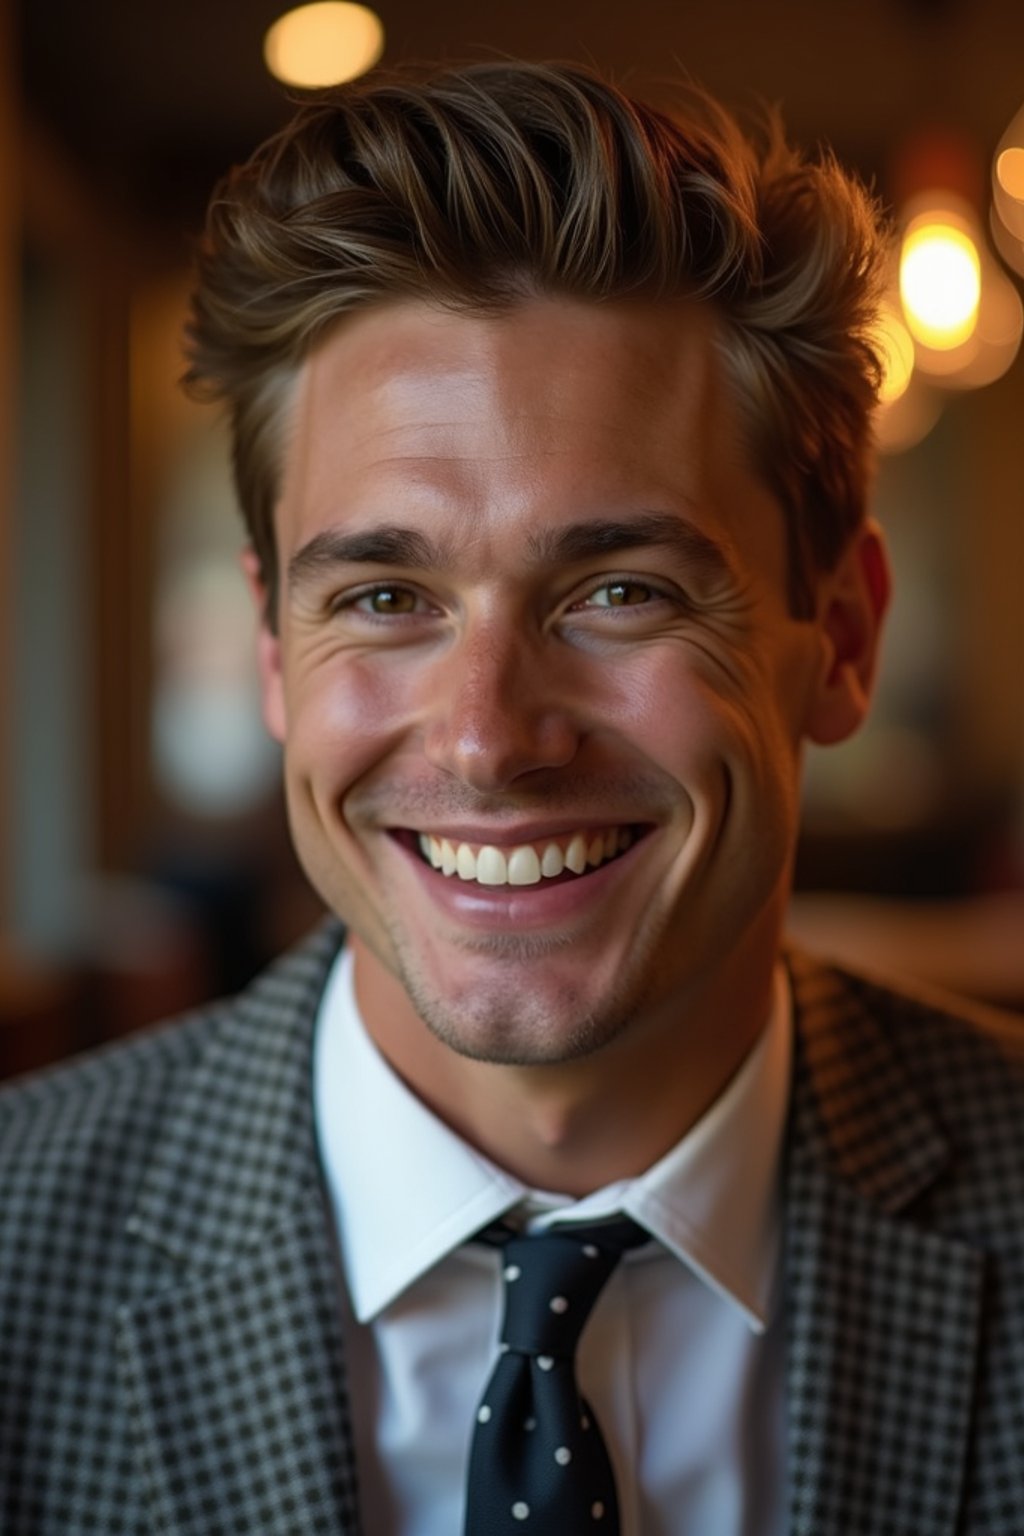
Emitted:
<point x="529" y="863"/>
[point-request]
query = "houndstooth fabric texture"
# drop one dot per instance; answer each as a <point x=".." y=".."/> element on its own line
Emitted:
<point x="905" y="1265"/>
<point x="170" y="1351"/>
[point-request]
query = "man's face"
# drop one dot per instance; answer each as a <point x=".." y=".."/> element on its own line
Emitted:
<point x="533" y="628"/>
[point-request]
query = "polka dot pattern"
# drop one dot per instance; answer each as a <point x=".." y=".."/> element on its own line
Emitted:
<point x="538" y="1457"/>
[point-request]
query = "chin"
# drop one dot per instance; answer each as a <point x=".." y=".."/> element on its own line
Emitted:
<point x="518" y="1039"/>
<point x="494" y="1014"/>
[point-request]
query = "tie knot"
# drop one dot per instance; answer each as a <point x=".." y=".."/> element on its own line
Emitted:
<point x="553" y="1279"/>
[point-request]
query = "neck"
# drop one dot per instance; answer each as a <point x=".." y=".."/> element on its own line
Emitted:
<point x="574" y="1126"/>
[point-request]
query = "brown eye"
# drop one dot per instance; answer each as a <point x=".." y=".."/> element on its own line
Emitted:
<point x="621" y="594"/>
<point x="389" y="600"/>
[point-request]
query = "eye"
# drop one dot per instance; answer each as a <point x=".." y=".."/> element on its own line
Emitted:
<point x="385" y="601"/>
<point x="621" y="594"/>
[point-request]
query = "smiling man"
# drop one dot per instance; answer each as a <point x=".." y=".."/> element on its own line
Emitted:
<point x="542" y="696"/>
<point x="550" y="1194"/>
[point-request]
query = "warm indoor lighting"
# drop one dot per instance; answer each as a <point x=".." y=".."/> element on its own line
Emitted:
<point x="1008" y="181"/>
<point x="323" y="44"/>
<point x="991" y="347"/>
<point x="908" y="420"/>
<point x="896" y="350"/>
<point x="996" y="341"/>
<point x="1010" y="173"/>
<point x="1010" y="248"/>
<point x="940" y="282"/>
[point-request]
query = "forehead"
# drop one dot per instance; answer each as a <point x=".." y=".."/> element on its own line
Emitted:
<point x="484" y="428"/>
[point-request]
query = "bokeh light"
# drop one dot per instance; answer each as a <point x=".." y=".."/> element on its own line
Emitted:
<point x="1008" y="180"/>
<point x="1010" y="248"/>
<point x="940" y="281"/>
<point x="896" y="350"/>
<point x="997" y="338"/>
<point x="907" y="421"/>
<point x="323" y="44"/>
<point x="1010" y="172"/>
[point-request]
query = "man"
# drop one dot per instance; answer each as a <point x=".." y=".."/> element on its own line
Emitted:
<point x="552" y="423"/>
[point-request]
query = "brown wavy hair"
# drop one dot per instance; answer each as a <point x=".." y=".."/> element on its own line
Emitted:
<point x="479" y="187"/>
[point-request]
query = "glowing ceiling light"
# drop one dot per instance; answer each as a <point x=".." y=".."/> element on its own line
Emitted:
<point x="323" y="44"/>
<point x="940" y="281"/>
<point x="896" y="352"/>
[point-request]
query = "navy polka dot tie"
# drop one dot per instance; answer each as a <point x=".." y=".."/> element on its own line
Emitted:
<point x="538" y="1463"/>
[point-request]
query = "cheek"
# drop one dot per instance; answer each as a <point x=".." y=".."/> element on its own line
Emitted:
<point x="343" y="716"/>
<point x="724" y="730"/>
<point x="674" y="709"/>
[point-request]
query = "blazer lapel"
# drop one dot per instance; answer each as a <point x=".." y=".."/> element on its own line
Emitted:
<point x="883" y="1314"/>
<point x="232" y="1366"/>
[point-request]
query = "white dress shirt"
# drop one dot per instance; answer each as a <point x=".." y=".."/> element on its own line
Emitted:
<point x="682" y="1357"/>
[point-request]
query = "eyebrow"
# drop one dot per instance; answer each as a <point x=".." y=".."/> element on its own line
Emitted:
<point x="386" y="545"/>
<point x="392" y="544"/>
<point x="606" y="536"/>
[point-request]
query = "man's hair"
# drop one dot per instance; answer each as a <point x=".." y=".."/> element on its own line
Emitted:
<point x="481" y="187"/>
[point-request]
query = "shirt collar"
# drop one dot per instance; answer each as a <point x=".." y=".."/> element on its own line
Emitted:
<point x="406" y="1190"/>
<point x="715" y="1198"/>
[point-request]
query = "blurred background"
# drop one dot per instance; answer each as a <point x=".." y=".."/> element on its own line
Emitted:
<point x="144" y="862"/>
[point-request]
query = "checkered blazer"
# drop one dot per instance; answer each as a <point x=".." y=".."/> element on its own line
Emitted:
<point x="170" y="1353"/>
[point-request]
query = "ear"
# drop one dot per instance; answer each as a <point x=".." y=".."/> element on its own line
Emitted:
<point x="852" y="603"/>
<point x="268" y="650"/>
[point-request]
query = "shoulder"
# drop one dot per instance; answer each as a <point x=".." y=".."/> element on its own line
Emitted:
<point x="839" y="1007"/>
<point x="873" y="1052"/>
<point x="81" y="1131"/>
<point x="74" y="1139"/>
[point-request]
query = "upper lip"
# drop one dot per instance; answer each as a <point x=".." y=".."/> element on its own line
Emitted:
<point x="505" y="836"/>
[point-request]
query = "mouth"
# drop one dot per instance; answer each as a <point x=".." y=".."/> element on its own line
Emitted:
<point x="546" y="861"/>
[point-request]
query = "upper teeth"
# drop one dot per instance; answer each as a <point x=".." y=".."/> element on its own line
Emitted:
<point x="530" y="862"/>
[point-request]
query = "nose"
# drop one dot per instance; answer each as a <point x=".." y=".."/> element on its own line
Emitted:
<point x="499" y="708"/>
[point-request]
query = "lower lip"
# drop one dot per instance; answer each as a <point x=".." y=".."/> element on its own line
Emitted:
<point x="518" y="906"/>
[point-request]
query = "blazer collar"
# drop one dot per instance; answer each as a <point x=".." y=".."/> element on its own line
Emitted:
<point x="855" y="1106"/>
<point x="231" y="1368"/>
<point x="239" y="1145"/>
<point x="883" y="1314"/>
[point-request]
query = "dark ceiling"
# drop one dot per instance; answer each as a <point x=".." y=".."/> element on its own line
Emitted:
<point x="155" y="99"/>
